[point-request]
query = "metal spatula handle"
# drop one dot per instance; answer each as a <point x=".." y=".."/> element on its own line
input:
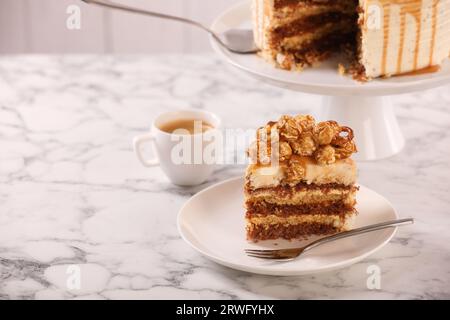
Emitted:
<point x="112" y="5"/>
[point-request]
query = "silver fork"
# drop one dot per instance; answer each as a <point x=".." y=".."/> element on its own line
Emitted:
<point x="291" y="254"/>
<point x="235" y="40"/>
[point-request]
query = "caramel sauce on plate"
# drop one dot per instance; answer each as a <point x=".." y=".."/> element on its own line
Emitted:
<point x="426" y="70"/>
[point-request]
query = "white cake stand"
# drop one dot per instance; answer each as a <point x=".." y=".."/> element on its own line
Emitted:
<point x="367" y="108"/>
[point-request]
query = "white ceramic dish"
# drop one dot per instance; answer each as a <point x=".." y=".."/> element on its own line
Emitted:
<point x="212" y="222"/>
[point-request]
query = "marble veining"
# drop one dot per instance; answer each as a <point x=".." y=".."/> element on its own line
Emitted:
<point x="73" y="193"/>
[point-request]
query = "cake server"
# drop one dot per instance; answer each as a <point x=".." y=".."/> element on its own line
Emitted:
<point x="235" y="40"/>
<point x="291" y="254"/>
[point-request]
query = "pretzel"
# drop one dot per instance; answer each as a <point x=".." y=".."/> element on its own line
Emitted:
<point x="339" y="140"/>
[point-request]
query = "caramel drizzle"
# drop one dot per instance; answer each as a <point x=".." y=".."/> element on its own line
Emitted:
<point x="417" y="14"/>
<point x="386" y="17"/>
<point x="257" y="145"/>
<point x="419" y="35"/>
<point x="433" y="37"/>
<point x="414" y="9"/>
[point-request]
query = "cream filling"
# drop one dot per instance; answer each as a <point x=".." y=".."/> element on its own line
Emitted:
<point x="287" y="15"/>
<point x="266" y="177"/>
<point x="334" y="220"/>
<point x="305" y="197"/>
<point x="341" y="172"/>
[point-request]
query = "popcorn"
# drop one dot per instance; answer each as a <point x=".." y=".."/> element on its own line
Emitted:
<point x="325" y="132"/>
<point x="306" y="145"/>
<point x="285" y="151"/>
<point x="300" y="136"/>
<point x="343" y="143"/>
<point x="346" y="150"/>
<point x="306" y="122"/>
<point x="288" y="128"/>
<point x="325" y="155"/>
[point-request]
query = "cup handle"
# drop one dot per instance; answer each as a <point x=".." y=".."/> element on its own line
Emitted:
<point x="137" y="143"/>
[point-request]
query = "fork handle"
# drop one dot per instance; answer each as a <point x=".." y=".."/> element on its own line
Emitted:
<point x="346" y="234"/>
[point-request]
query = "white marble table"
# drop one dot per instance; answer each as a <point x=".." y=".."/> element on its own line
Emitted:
<point x="72" y="192"/>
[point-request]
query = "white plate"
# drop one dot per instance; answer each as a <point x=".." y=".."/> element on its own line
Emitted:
<point x="212" y="222"/>
<point x="322" y="80"/>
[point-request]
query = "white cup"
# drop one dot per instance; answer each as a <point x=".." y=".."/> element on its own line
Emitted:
<point x="183" y="174"/>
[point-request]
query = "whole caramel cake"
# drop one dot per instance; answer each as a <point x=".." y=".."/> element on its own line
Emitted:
<point x="381" y="37"/>
<point x="301" y="181"/>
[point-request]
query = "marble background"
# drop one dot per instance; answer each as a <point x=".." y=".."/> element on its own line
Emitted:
<point x="73" y="193"/>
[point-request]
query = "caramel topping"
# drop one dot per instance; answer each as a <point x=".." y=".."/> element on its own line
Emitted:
<point x="295" y="141"/>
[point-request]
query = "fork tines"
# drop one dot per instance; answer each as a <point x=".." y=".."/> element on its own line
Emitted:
<point x="266" y="254"/>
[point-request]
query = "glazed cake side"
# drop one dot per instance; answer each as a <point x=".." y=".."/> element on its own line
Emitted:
<point x="311" y="190"/>
<point x="403" y="36"/>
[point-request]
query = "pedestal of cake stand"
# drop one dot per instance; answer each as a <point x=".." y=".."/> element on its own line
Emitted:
<point x="373" y="121"/>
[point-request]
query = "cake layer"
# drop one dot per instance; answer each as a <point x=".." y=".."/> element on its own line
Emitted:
<point x="291" y="14"/>
<point x="325" y="43"/>
<point x="300" y="41"/>
<point x="311" y="53"/>
<point x="269" y="15"/>
<point x="341" y="172"/>
<point x="272" y="14"/>
<point x="264" y="208"/>
<point x="280" y="231"/>
<point x="314" y="24"/>
<point x="303" y="194"/>
<point x="274" y="227"/>
<point x="337" y="221"/>
<point x="296" y="4"/>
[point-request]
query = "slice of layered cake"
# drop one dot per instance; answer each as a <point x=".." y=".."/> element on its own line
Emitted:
<point x="301" y="180"/>
<point x="380" y="37"/>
